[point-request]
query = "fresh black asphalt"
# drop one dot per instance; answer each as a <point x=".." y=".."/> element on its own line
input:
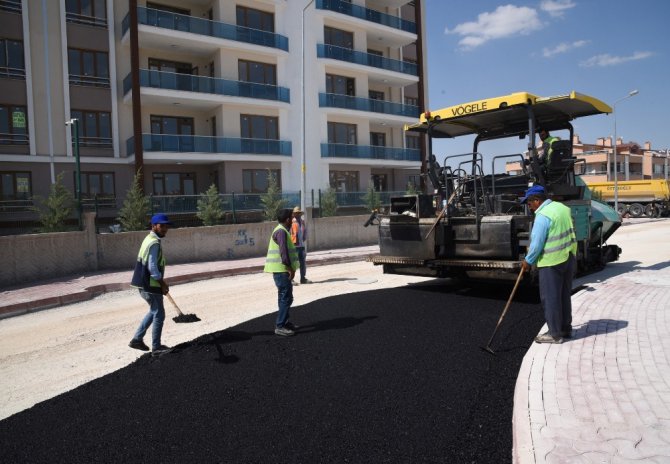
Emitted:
<point x="384" y="376"/>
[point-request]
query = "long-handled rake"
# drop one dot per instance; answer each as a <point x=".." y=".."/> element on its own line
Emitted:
<point x="181" y="316"/>
<point x="487" y="348"/>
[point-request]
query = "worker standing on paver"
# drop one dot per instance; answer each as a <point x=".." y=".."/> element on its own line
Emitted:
<point x="149" y="278"/>
<point x="282" y="262"/>
<point x="299" y="239"/>
<point x="553" y="248"/>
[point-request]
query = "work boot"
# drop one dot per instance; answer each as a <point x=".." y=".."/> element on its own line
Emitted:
<point x="160" y="349"/>
<point x="138" y="345"/>
<point x="291" y="326"/>
<point x="548" y="338"/>
<point x="284" y="331"/>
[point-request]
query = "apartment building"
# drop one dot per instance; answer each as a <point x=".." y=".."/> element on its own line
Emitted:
<point x="195" y="92"/>
<point x="634" y="161"/>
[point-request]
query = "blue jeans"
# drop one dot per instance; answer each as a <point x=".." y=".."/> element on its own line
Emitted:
<point x="156" y="315"/>
<point x="302" y="254"/>
<point x="284" y="296"/>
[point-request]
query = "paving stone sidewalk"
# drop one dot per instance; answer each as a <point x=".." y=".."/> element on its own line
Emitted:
<point x="75" y="288"/>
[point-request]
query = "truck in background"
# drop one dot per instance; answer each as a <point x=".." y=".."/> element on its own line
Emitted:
<point x="636" y="197"/>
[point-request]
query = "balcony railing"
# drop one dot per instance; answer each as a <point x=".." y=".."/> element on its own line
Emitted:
<point x="366" y="59"/>
<point x="185" y="23"/>
<point x="205" y="144"/>
<point x="332" y="100"/>
<point x="13" y="6"/>
<point x="12" y="73"/>
<point x="92" y="81"/>
<point x="341" y="150"/>
<point x="367" y="14"/>
<point x="13" y="139"/>
<point x="212" y="85"/>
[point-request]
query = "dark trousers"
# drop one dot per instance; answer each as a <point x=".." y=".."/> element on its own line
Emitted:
<point x="555" y="293"/>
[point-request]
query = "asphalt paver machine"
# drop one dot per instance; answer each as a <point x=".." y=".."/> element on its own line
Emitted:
<point x="473" y="225"/>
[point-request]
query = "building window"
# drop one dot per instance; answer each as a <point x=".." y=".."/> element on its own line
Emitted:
<point x="259" y="73"/>
<point x="174" y="183"/>
<point x="377" y="139"/>
<point x="340" y="85"/>
<point x="412" y="141"/>
<point x="339" y="132"/>
<point x="15" y="186"/>
<point x="344" y="181"/>
<point x="259" y="127"/>
<point x="90" y="12"/>
<point x="413" y="101"/>
<point x="88" y="67"/>
<point x="338" y="37"/>
<point x="379" y="182"/>
<point x="375" y="95"/>
<point x="13" y="125"/>
<point x="95" y="128"/>
<point x="11" y="59"/>
<point x="177" y="133"/>
<point x="97" y="183"/>
<point x="168" y="9"/>
<point x="255" y="19"/>
<point x="156" y="64"/>
<point x="256" y="180"/>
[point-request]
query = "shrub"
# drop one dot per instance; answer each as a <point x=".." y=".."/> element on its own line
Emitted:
<point x="372" y="199"/>
<point x="272" y="200"/>
<point x="329" y="203"/>
<point x="210" y="208"/>
<point x="54" y="210"/>
<point x="136" y="208"/>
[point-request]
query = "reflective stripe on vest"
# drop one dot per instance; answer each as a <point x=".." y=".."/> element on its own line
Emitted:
<point x="561" y="240"/>
<point x="273" y="258"/>
<point x="549" y="142"/>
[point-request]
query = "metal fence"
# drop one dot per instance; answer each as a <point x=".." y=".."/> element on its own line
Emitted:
<point x="19" y="217"/>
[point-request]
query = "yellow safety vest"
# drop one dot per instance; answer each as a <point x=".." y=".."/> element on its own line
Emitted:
<point x="273" y="259"/>
<point x="141" y="276"/>
<point x="561" y="239"/>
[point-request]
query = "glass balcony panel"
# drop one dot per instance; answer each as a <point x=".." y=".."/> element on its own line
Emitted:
<point x="367" y="14"/>
<point x="332" y="100"/>
<point x="340" y="150"/>
<point x="366" y="59"/>
<point x="205" y="144"/>
<point x="178" y="22"/>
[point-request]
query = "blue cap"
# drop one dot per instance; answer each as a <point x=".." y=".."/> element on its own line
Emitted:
<point x="534" y="190"/>
<point x="160" y="218"/>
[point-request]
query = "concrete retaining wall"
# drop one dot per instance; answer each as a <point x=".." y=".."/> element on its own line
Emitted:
<point x="27" y="258"/>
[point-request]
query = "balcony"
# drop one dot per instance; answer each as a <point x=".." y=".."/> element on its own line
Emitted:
<point x="365" y="59"/>
<point x="205" y="144"/>
<point x="12" y="73"/>
<point x="341" y="150"/>
<point x="367" y="14"/>
<point x="331" y="100"/>
<point x="184" y="23"/>
<point x="210" y="85"/>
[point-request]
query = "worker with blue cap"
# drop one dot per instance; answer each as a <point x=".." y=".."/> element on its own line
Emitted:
<point x="553" y="249"/>
<point x="148" y="277"/>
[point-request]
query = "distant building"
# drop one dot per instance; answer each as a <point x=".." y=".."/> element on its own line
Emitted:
<point x="198" y="92"/>
<point x="634" y="162"/>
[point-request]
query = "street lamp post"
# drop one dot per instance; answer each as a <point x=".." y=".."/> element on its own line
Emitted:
<point x="74" y="122"/>
<point x="303" y="155"/>
<point x="632" y="93"/>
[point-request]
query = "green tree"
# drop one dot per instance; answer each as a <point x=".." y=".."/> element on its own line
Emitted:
<point x="372" y="199"/>
<point x="54" y="210"/>
<point x="272" y="199"/>
<point x="329" y="203"/>
<point x="133" y="214"/>
<point x="210" y="208"/>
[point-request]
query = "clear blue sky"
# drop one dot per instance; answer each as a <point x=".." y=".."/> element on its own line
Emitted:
<point x="603" y="48"/>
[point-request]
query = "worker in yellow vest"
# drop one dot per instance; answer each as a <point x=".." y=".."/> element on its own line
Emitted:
<point x="282" y="262"/>
<point x="553" y="249"/>
<point x="547" y="142"/>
